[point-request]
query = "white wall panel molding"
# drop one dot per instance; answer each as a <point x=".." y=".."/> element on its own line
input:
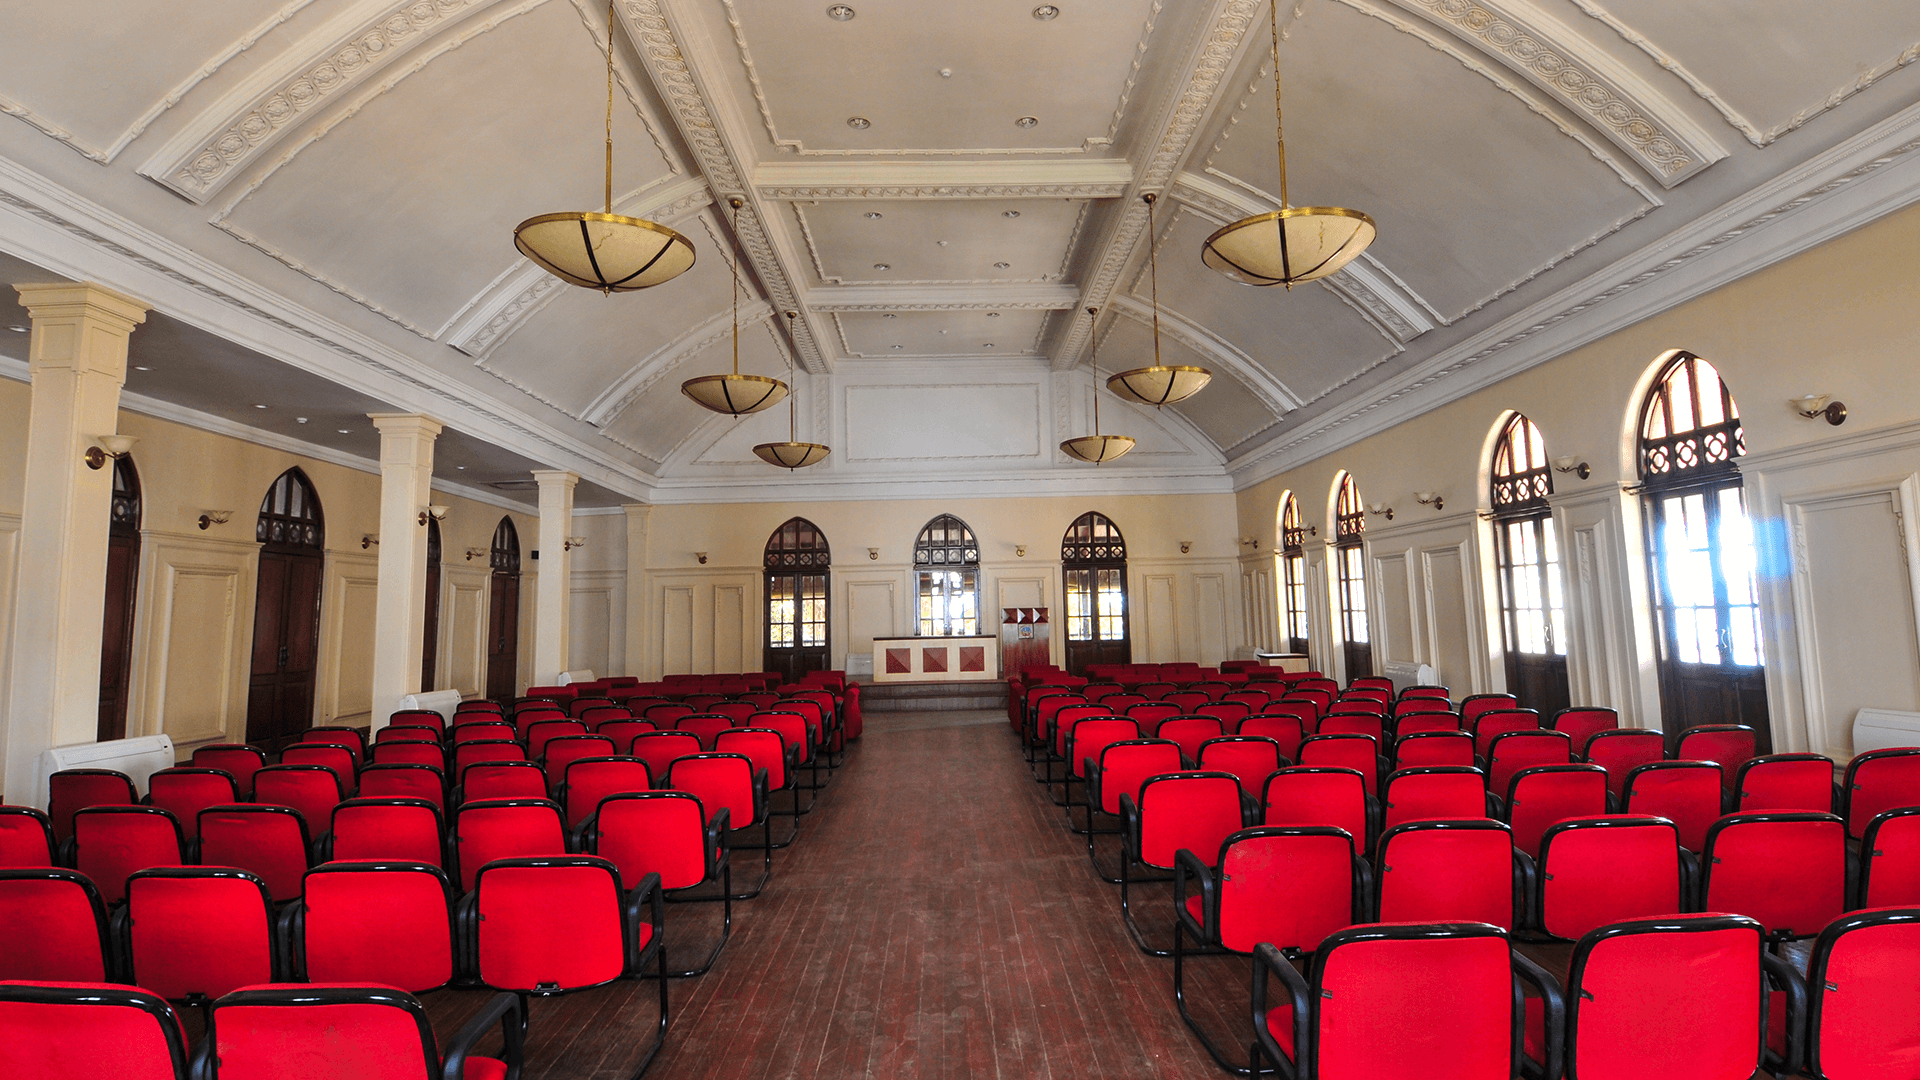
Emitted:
<point x="1584" y="79"/>
<point x="465" y="597"/>
<point x="79" y="239"/>
<point x="193" y="634"/>
<point x="343" y="677"/>
<point x="1861" y="179"/>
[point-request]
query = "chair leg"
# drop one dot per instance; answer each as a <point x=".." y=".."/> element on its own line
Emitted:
<point x="726" y="930"/>
<point x="660" y="1034"/>
<point x="1180" y="1001"/>
<point x="766" y="872"/>
<point x="1126" y="911"/>
<point x="794" y="833"/>
<point x="1095" y="859"/>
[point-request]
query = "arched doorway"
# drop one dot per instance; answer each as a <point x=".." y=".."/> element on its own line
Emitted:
<point x="1094" y="557"/>
<point x="1349" y="552"/>
<point x="1701" y="542"/>
<point x="1533" y="608"/>
<point x="503" y="613"/>
<point x="430" y="627"/>
<point x="797" y="561"/>
<point x="946" y="563"/>
<point x="286" y="612"/>
<point x="123" y="579"/>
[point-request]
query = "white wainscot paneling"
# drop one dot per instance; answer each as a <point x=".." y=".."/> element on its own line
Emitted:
<point x="1393" y="637"/>
<point x="1449" y="616"/>
<point x="944" y="423"/>
<point x="870" y="614"/>
<point x="348" y="615"/>
<point x="1161" y="619"/>
<point x="1210" y="618"/>
<point x="590" y="616"/>
<point x="193" y="633"/>
<point x="463" y="628"/>
<point x="676" y="629"/>
<point x="729" y="628"/>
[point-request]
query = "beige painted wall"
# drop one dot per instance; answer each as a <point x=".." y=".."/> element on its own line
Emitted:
<point x="1833" y="505"/>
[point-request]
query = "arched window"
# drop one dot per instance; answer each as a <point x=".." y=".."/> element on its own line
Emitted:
<point x="1293" y="576"/>
<point x="430" y="630"/>
<point x="123" y="578"/>
<point x="1350" y="523"/>
<point x="503" y="612"/>
<point x="286" y="615"/>
<point x="1095" y="558"/>
<point x="1702" y="545"/>
<point x="797" y="559"/>
<point x="946" y="561"/>
<point x="1532" y="593"/>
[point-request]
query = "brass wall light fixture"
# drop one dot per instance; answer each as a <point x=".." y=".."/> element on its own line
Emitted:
<point x="436" y="512"/>
<point x="1160" y="384"/>
<point x="572" y="542"/>
<point x="1381" y="509"/>
<point x="605" y="251"/>
<point x="700" y="557"/>
<point x="1251" y="542"/>
<point x="874" y="554"/>
<point x="1294" y="244"/>
<point x="1186" y="546"/>
<point x="1096" y="448"/>
<point x="369" y="540"/>
<point x="735" y="394"/>
<point x="1571" y="463"/>
<point x="1019" y="551"/>
<point x="110" y="447"/>
<point x="1430" y="498"/>
<point x="214" y="517"/>
<point x="1814" y="406"/>
<point x="792" y="454"/>
<point x="478" y="553"/>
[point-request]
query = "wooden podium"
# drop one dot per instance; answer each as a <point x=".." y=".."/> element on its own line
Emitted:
<point x="1026" y="640"/>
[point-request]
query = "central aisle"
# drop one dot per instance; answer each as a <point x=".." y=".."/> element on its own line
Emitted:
<point x="935" y="919"/>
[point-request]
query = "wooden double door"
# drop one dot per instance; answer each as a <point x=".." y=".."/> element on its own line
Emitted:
<point x="503" y="636"/>
<point x="286" y="640"/>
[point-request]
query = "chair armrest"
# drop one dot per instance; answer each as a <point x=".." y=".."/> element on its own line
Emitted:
<point x="1376" y="820"/>
<point x="759" y="796"/>
<point x="321" y="849"/>
<point x="503" y="1009"/>
<point x="1796" y="990"/>
<point x="1497" y="808"/>
<point x="1527" y="880"/>
<point x="717" y="826"/>
<point x="69" y="853"/>
<point x="1185" y="862"/>
<point x="1129" y="824"/>
<point x="466" y="924"/>
<point x="1555" y="1008"/>
<point x="649" y="887"/>
<point x="1093" y="785"/>
<point x="577" y="838"/>
<point x="119" y="958"/>
<point x="1363" y="896"/>
<point x="291" y="930"/>
<point x="1268" y="960"/>
<point x="1692" y="883"/>
<point x="1249" y="810"/>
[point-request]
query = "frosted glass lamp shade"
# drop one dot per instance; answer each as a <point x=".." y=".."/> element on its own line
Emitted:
<point x="1097" y="448"/>
<point x="1160" y="384"/>
<point x="735" y="395"/>
<point x="791" y="455"/>
<point x="604" y="251"/>
<point x="1287" y="247"/>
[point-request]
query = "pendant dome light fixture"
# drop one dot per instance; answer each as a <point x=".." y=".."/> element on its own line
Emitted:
<point x="1096" y="448"/>
<point x="1161" y="384"/>
<point x="1294" y="244"/>
<point x="605" y="251"/>
<point x="792" y="454"/>
<point x="735" y="394"/>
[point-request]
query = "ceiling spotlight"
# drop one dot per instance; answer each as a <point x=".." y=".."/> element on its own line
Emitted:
<point x="988" y="345"/>
<point x="1010" y="213"/>
<point x="461" y="468"/>
<point x="259" y="406"/>
<point x="1001" y="265"/>
<point x="299" y="419"/>
<point x="346" y="431"/>
<point x="940" y="243"/>
<point x="137" y="367"/>
<point x="1045" y="12"/>
<point x="946" y="73"/>
<point x="993" y="314"/>
<point x="882" y="266"/>
<point x="18" y="329"/>
<point x="894" y="346"/>
<point x="859" y="123"/>
<point x="873" y="215"/>
<point x="839" y="13"/>
<point x="889" y="315"/>
<point x="1027" y="122"/>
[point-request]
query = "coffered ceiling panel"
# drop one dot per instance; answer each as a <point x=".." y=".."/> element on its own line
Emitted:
<point x="905" y="334"/>
<point x="102" y="70"/>
<point x="1472" y="191"/>
<point x="661" y="419"/>
<point x="408" y="205"/>
<point x="1226" y="411"/>
<point x="1770" y="65"/>
<point x="932" y="76"/>
<point x="939" y="240"/>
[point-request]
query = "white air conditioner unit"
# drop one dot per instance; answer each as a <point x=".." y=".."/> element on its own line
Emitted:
<point x="138" y="758"/>
<point x="440" y="701"/>
<point x="1405" y="674"/>
<point x="1878" y="729"/>
<point x="568" y="678"/>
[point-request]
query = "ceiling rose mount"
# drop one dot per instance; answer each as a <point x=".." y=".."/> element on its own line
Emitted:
<point x="1294" y="244"/>
<point x="605" y="251"/>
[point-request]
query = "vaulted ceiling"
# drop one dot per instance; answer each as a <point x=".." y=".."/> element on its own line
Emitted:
<point x="939" y="189"/>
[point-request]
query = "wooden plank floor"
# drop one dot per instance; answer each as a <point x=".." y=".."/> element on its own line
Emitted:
<point x="936" y="921"/>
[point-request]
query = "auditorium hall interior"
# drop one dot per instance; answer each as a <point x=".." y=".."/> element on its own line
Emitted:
<point x="581" y="539"/>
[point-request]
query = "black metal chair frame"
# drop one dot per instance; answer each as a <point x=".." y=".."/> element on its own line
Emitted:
<point x="1130" y="850"/>
<point x="719" y="866"/>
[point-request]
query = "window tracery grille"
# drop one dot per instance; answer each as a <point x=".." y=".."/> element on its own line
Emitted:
<point x="1095" y="555"/>
<point x="124" y="519"/>
<point x="946" y="541"/>
<point x="505" y="556"/>
<point x="1522" y="479"/>
<point x="1293" y="574"/>
<point x="797" y="545"/>
<point x="290" y="514"/>
<point x="1691" y="426"/>
<point x="1349" y="513"/>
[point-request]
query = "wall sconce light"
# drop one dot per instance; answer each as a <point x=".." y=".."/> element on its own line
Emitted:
<point x="214" y="517"/>
<point x="1382" y="509"/>
<point x="874" y="554"/>
<point x="701" y="557"/>
<point x="1430" y="498"/>
<point x="1569" y="463"/>
<point x="1186" y="546"/>
<point x="1811" y="406"/>
<point x="1251" y="542"/>
<point x="369" y="540"/>
<point x="436" y="512"/>
<point x="1019" y="551"/>
<point x="110" y="446"/>
<point x="572" y="542"/>
<point x="478" y="553"/>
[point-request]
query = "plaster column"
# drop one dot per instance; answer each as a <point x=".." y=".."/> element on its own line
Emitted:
<point x="400" y="607"/>
<point x="639" y="642"/>
<point x="552" y="600"/>
<point x="78" y="362"/>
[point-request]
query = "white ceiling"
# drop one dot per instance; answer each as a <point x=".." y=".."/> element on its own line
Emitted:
<point x="318" y="196"/>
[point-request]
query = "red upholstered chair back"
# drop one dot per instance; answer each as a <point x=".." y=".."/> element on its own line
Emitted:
<point x="1283" y="730"/>
<point x="405" y="781"/>
<point x="719" y="781"/>
<point x="350" y="739"/>
<point x="375" y="830"/>
<point x="505" y="829"/>
<point x="592" y="779"/>
<point x="1543" y="796"/>
<point x="199" y="931"/>
<point x="1474" y="705"/>
<point x="1371" y="985"/>
<point x="1360" y="753"/>
<point x="26" y="838"/>
<point x="1877" y="781"/>
<point x="1190" y="732"/>
<point x="339" y="759"/>
<point x="1124" y="766"/>
<point x="1433" y="748"/>
<point x="1600" y="870"/>
<point x="654" y="832"/>
<point x="484" y="780"/>
<point x="1286" y="886"/>
<point x="1516" y="750"/>
<point x="1415" y="722"/>
<point x="1437" y="792"/>
<point x="313" y="790"/>
<point x="659" y="749"/>
<point x="1583" y="722"/>
<point x="1682" y="990"/>
<point x="270" y="842"/>
<point x="1786" y="870"/>
<point x="272" y="1032"/>
<point x="567" y="749"/>
<point x="545" y="731"/>
<point x="1251" y="758"/>
<point x="69" y="790"/>
<point x="61" y="1030"/>
<point x="1687" y="793"/>
<point x="1890" y="859"/>
<point x="1621" y="751"/>
<point x="111" y="843"/>
<point x="1447" y="871"/>
<point x="185" y="791"/>
<point x="379" y="922"/>
<point x="1317" y="795"/>
<point x="549" y="924"/>
<point x="240" y="760"/>
<point x="1785" y="782"/>
<point x="54" y="923"/>
<point x="427" y="718"/>
<point x="1494" y="723"/>
<point x="1862" y="994"/>
<point x="1193" y="810"/>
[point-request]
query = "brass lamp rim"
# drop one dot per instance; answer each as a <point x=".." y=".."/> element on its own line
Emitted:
<point x="1209" y="252"/>
<point x="775" y="392"/>
<point x="1071" y="447"/>
<point x="769" y="452"/>
<point x="673" y="236"/>
<point x="1118" y="383"/>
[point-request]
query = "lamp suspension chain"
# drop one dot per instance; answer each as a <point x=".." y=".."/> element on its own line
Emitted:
<point x="1279" y="129"/>
<point x="1093" y="359"/>
<point x="1153" y="275"/>
<point x="609" y="106"/>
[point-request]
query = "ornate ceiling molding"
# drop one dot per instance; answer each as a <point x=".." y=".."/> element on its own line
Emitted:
<point x="640" y="378"/>
<point x="1277" y="396"/>
<point x="1583" y="78"/>
<point x="1198" y="88"/>
<point x="348" y="50"/>
<point x="814" y="181"/>
<point x="944" y="297"/>
<point x="651" y="30"/>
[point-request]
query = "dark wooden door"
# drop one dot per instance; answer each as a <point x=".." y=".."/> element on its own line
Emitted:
<point x="1710" y="663"/>
<point x="1359" y="660"/>
<point x="1539" y="681"/>
<point x="796" y="625"/>
<point x="503" y="636"/>
<point x="1097" y="617"/>
<point x="1693" y="695"/>
<point x="286" y="637"/>
<point x="430" y="634"/>
<point x="116" y="635"/>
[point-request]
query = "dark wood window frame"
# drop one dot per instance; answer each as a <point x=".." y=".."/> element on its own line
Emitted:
<point x="798" y="563"/>
<point x="1349" y="550"/>
<point x="1093" y="556"/>
<point x="1295" y="626"/>
<point x="946" y="562"/>
<point x="1531" y="579"/>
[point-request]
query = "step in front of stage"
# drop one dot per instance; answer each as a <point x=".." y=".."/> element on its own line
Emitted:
<point x="932" y="696"/>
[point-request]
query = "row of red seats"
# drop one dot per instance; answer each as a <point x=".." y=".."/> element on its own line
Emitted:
<point x="1444" y="857"/>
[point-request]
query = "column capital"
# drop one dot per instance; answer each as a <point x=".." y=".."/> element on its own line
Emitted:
<point x="59" y="299"/>
<point x="547" y="478"/>
<point x="406" y="424"/>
